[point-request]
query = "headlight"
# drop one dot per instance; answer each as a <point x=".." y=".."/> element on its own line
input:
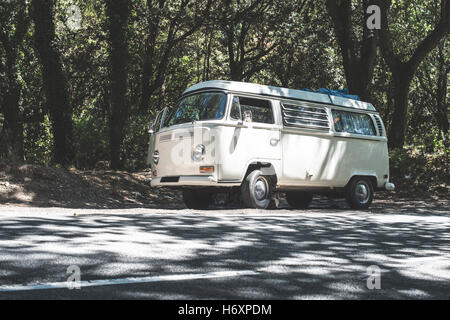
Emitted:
<point x="199" y="152"/>
<point x="155" y="157"/>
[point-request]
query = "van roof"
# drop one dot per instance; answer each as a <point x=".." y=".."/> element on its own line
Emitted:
<point x="246" y="87"/>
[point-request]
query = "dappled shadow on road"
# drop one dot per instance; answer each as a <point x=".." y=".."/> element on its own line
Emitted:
<point x="382" y="205"/>
<point x="311" y="255"/>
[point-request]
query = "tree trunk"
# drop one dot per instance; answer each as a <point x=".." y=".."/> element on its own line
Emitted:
<point x="236" y="72"/>
<point x="358" y="83"/>
<point x="55" y="83"/>
<point x="207" y="59"/>
<point x="359" y="58"/>
<point x="441" y="92"/>
<point x="153" y="19"/>
<point x="10" y="105"/>
<point x="13" y="125"/>
<point x="147" y="76"/>
<point x="118" y="13"/>
<point x="399" y="124"/>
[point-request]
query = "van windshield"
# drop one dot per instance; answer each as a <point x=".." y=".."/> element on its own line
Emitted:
<point x="197" y="107"/>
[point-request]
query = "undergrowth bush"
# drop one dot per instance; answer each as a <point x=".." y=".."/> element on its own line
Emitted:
<point x="413" y="170"/>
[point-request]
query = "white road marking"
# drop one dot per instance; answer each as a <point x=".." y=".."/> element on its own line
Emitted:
<point x="109" y="282"/>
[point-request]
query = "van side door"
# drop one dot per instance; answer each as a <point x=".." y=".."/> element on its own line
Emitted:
<point x="309" y="151"/>
<point x="256" y="137"/>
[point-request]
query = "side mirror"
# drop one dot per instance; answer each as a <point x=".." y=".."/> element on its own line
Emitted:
<point x="247" y="116"/>
<point x="150" y="129"/>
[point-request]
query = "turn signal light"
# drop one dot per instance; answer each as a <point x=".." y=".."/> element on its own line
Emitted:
<point x="205" y="169"/>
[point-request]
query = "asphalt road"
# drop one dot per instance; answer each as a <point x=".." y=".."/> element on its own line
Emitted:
<point x="321" y="253"/>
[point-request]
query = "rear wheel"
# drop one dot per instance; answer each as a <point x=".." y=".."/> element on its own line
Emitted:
<point x="359" y="193"/>
<point x="196" y="199"/>
<point x="299" y="199"/>
<point x="256" y="190"/>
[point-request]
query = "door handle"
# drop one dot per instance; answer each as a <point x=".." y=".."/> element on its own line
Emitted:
<point x="274" y="142"/>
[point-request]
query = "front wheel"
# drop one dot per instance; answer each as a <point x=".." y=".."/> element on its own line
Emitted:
<point x="256" y="190"/>
<point x="299" y="200"/>
<point x="359" y="193"/>
<point x="196" y="199"/>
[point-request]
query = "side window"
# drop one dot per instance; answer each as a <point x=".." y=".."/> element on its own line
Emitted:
<point x="235" y="112"/>
<point x="352" y="122"/>
<point x="261" y="109"/>
<point x="305" y="116"/>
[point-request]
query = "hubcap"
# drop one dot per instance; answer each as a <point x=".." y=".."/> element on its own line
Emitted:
<point x="362" y="192"/>
<point x="260" y="189"/>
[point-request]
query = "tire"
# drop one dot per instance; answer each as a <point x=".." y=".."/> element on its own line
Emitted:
<point x="256" y="190"/>
<point x="359" y="193"/>
<point x="196" y="199"/>
<point x="299" y="199"/>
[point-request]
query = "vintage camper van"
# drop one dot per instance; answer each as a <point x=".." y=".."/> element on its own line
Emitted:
<point x="234" y="140"/>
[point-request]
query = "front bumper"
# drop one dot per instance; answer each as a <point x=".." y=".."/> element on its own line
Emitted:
<point x="180" y="181"/>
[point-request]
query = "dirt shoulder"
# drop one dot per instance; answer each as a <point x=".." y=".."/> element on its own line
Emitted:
<point x="39" y="186"/>
<point x="33" y="185"/>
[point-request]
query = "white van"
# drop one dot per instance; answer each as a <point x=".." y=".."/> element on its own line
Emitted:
<point x="229" y="140"/>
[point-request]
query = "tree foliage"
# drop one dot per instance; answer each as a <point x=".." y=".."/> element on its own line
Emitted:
<point x="80" y="80"/>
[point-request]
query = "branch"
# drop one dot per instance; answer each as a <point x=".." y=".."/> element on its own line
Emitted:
<point x="4" y="39"/>
<point x="423" y="49"/>
<point x="240" y="48"/>
<point x="261" y="54"/>
<point x="23" y="23"/>
<point x="423" y="84"/>
<point x="368" y="53"/>
<point x="197" y="24"/>
<point x="341" y="17"/>
<point x="387" y="48"/>
<point x="433" y="39"/>
<point x="246" y="11"/>
<point x="256" y="68"/>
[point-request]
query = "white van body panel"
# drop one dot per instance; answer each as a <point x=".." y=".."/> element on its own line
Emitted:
<point x="298" y="157"/>
<point x="175" y="144"/>
<point x="330" y="159"/>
